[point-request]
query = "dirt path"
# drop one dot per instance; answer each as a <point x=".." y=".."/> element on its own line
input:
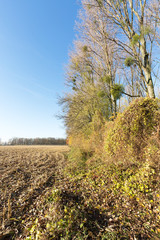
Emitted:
<point x="26" y="173"/>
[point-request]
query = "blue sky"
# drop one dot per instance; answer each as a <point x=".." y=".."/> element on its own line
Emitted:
<point x="35" y="38"/>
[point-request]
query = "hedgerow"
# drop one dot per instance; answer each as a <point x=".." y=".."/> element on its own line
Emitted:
<point x="114" y="194"/>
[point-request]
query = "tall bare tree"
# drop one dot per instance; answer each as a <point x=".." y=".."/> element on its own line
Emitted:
<point x="93" y="31"/>
<point x="135" y="33"/>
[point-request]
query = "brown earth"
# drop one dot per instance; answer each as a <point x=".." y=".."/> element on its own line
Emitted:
<point x="26" y="174"/>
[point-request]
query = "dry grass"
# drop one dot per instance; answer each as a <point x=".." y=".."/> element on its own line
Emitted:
<point x="26" y="173"/>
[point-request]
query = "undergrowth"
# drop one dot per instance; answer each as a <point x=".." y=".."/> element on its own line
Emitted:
<point x="103" y="197"/>
<point x="107" y="202"/>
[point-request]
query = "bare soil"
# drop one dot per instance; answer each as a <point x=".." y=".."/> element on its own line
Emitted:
<point x="26" y="174"/>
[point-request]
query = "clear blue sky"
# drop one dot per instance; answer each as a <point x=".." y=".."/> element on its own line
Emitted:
<point x="35" y="38"/>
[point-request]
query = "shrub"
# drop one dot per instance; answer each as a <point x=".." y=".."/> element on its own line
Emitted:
<point x="117" y="91"/>
<point x="129" y="61"/>
<point x="133" y="130"/>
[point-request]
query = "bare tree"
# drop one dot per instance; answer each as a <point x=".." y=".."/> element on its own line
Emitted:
<point x="135" y="33"/>
<point x="93" y="31"/>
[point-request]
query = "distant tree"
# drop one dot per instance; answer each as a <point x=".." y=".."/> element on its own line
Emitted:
<point x="37" y="141"/>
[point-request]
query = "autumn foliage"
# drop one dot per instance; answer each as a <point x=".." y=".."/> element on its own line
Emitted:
<point x="110" y="190"/>
<point x="130" y="135"/>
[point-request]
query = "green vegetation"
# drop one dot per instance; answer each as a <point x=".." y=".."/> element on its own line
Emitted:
<point x="117" y="91"/>
<point x="129" y="61"/>
<point x="111" y="192"/>
<point x="135" y="39"/>
<point x="134" y="130"/>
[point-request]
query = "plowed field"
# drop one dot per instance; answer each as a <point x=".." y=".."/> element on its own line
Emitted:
<point x="26" y="173"/>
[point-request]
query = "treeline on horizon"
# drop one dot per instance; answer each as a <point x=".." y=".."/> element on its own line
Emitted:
<point x="36" y="141"/>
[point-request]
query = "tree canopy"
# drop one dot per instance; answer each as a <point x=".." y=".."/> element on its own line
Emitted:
<point x="114" y="59"/>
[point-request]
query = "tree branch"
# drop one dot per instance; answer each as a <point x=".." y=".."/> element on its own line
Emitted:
<point x="130" y="95"/>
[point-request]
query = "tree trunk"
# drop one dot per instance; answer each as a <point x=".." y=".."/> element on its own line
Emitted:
<point x="146" y="66"/>
<point x="115" y="108"/>
<point x="149" y="81"/>
<point x="150" y="88"/>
